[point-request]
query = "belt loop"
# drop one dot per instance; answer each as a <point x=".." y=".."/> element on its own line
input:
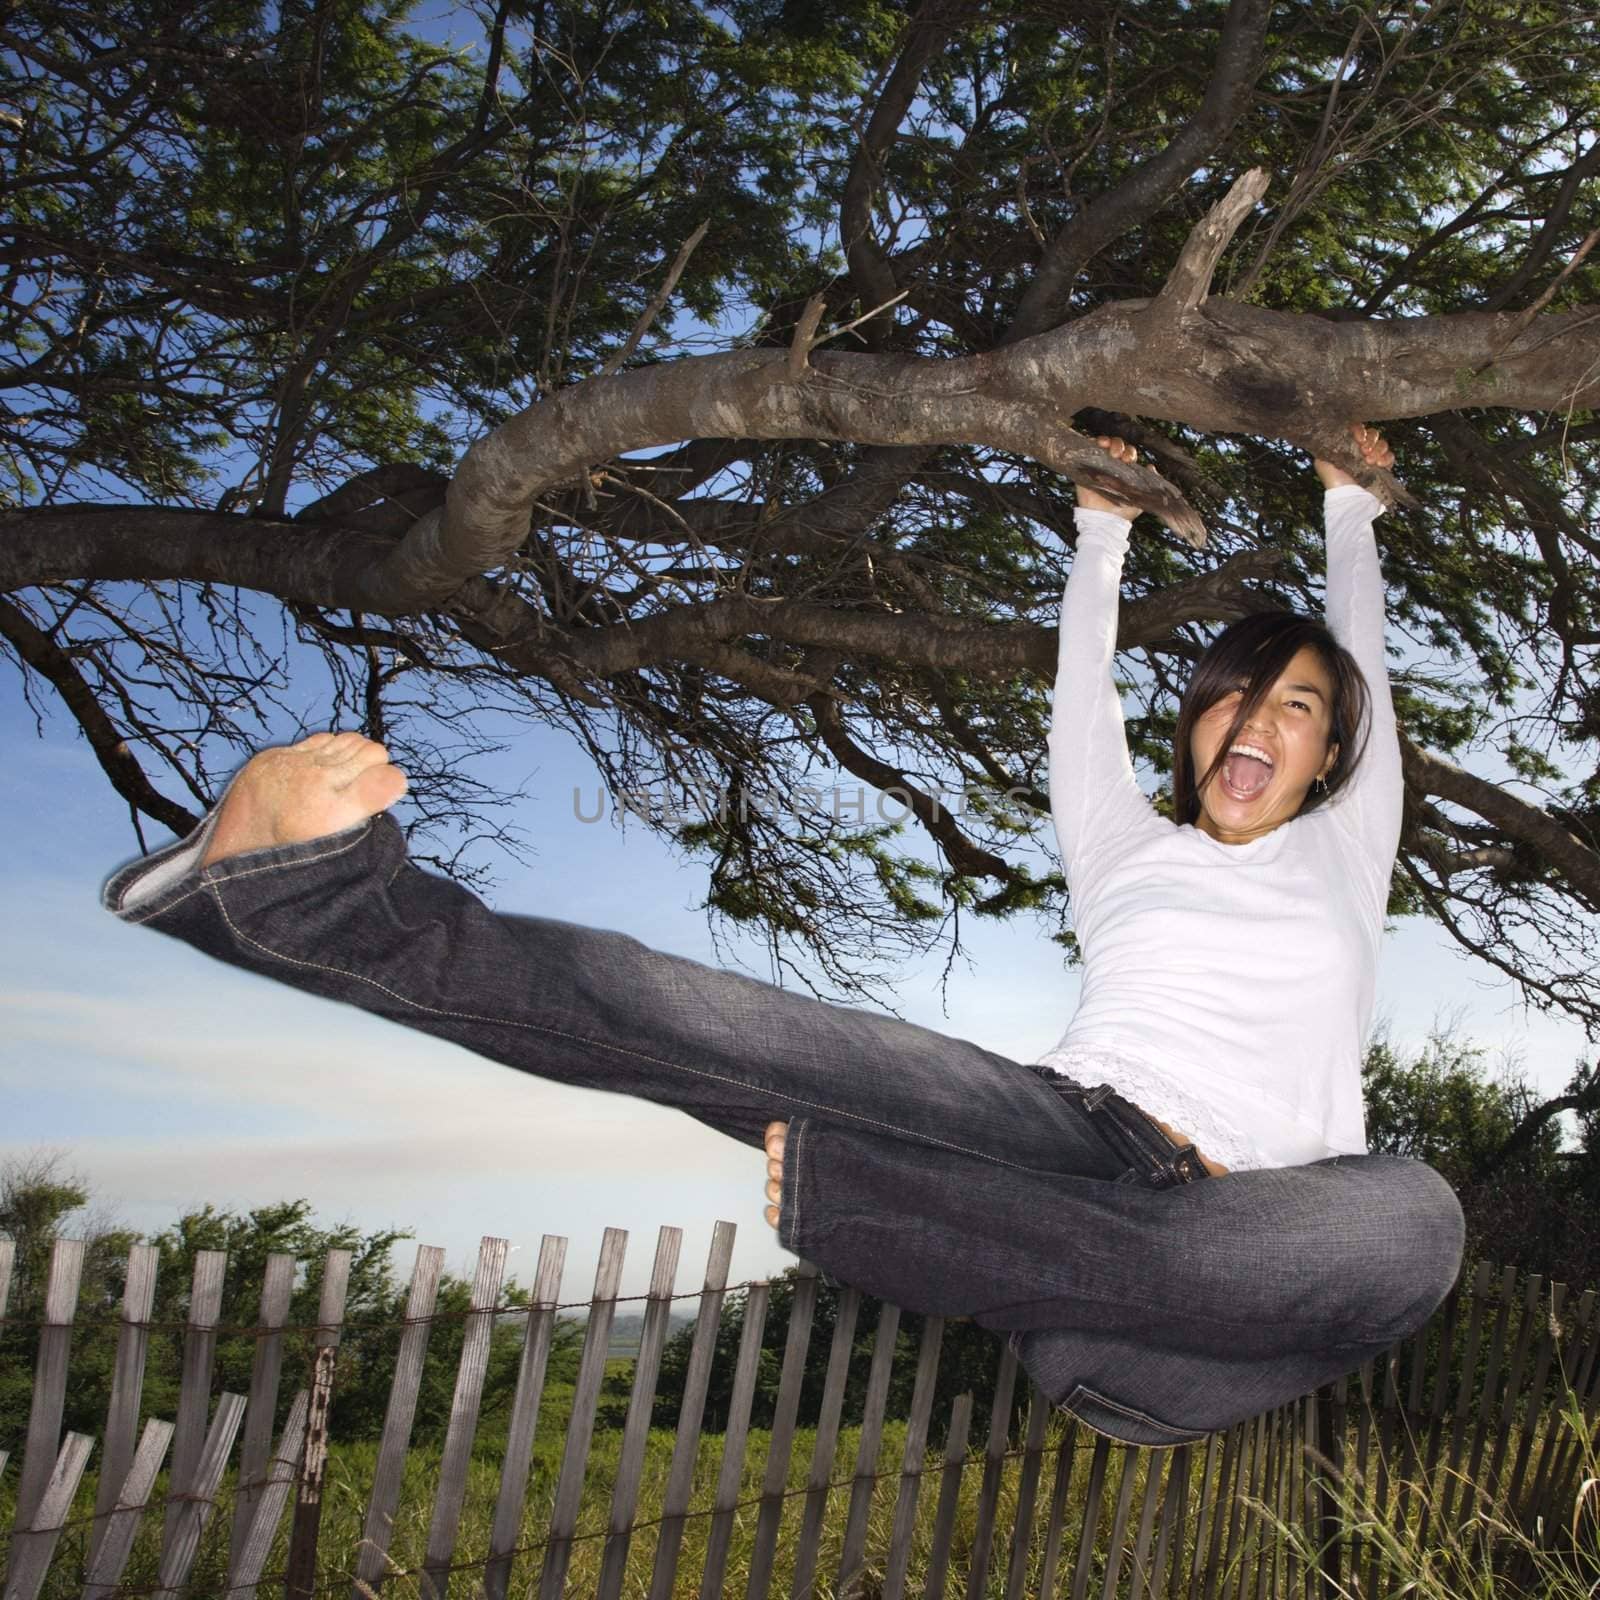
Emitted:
<point x="1096" y="1097"/>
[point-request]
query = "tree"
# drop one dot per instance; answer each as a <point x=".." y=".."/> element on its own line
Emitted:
<point x="270" y="269"/>
<point x="1528" y="1201"/>
<point x="41" y="1202"/>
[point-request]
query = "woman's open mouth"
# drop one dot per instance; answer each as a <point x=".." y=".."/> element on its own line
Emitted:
<point x="1246" y="772"/>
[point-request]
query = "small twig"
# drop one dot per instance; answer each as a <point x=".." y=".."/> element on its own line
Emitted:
<point x="1539" y="304"/>
<point x="658" y="303"/>
<point x="866" y="316"/>
<point x="805" y="332"/>
<point x="1190" y="280"/>
<point x="806" y="338"/>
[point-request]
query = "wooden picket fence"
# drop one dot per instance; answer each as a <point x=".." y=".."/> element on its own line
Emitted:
<point x="1486" y="1424"/>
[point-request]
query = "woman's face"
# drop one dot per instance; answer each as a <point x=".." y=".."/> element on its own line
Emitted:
<point x="1283" y="748"/>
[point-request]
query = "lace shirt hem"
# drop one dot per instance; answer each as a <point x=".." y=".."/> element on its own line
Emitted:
<point x="1159" y="1095"/>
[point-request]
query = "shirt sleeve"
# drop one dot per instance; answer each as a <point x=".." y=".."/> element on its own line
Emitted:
<point x="1094" y="796"/>
<point x="1368" y="808"/>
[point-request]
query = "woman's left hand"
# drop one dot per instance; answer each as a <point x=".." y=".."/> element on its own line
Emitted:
<point x="1373" y="451"/>
<point x="1119" y="450"/>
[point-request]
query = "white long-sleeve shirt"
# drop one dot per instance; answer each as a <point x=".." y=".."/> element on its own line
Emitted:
<point x="1227" y="989"/>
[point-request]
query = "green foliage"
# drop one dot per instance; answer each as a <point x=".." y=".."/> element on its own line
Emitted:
<point x="38" y="1205"/>
<point x="1529" y="1192"/>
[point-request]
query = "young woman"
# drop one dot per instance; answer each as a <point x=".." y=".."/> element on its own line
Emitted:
<point x="1228" y="986"/>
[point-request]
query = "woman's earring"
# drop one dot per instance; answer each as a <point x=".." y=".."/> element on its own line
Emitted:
<point x="1320" y="785"/>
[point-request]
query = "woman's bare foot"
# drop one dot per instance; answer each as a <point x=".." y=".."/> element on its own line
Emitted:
<point x="323" y="784"/>
<point x="777" y="1132"/>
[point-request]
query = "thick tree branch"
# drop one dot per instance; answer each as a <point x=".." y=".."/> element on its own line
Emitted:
<point x="1228" y="368"/>
<point x="1576" y="860"/>
<point x="1527" y="1129"/>
<point x="323" y="567"/>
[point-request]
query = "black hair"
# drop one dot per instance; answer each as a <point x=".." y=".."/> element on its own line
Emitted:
<point x="1250" y="656"/>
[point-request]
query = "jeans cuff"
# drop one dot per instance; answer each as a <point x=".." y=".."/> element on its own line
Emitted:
<point x="797" y="1189"/>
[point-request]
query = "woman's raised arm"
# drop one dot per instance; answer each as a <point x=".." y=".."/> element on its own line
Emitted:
<point x="1094" y="796"/>
<point x="1370" y="805"/>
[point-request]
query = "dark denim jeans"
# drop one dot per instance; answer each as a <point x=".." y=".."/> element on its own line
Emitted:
<point x="922" y="1168"/>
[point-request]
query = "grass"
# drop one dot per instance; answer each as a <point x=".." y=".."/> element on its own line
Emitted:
<point x="1470" y="1556"/>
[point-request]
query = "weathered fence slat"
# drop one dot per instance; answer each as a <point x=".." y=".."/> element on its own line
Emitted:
<point x="1056" y="1515"/>
<point x="1127" y="1456"/>
<point x="1541" y="1374"/>
<point x="536" y="1342"/>
<point x="127" y="1384"/>
<point x="194" y="1392"/>
<point x="246" y="1563"/>
<point x="994" y="1462"/>
<point x="1212" y="1471"/>
<point x="1378" y="1402"/>
<point x="691" y="1413"/>
<point x="50" y="1378"/>
<point x="133" y="1497"/>
<point x="8" y="1255"/>
<point x="1569" y="1451"/>
<point x="398" y="1416"/>
<point x="465" y="1400"/>
<point x="586" y="1396"/>
<point x="1489" y="1392"/>
<point x="1147" y="1519"/>
<point x="913" y="1458"/>
<point x="1093" y="1495"/>
<point x="1463" y="1405"/>
<point x="1239" y="1517"/>
<point x="775" y="1476"/>
<point x="1257" y="1528"/>
<point x="1539" y="1503"/>
<point x="1324" y="1470"/>
<point x="266" y="1367"/>
<point x="1363" y="1420"/>
<point x="808" y="1545"/>
<point x="733" y="1438"/>
<point x="944" y="1517"/>
<point x="1240" y="1487"/>
<point x="1436" y="1432"/>
<point x="194" y="1512"/>
<point x="31" y="1549"/>
<point x="1027" y="1493"/>
<point x="852" y="1555"/>
<point x="1174" y="1503"/>
<point x="1532" y="1307"/>
<point x="302" y="1564"/>
<point x="641" y="1402"/>
<point x="1294" y="1499"/>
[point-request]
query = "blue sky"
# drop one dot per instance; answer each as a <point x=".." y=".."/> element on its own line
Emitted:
<point x="171" y="1080"/>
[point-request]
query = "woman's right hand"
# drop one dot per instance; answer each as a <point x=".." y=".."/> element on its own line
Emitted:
<point x="1120" y="450"/>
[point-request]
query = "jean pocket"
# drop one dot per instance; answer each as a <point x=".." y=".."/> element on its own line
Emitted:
<point x="1152" y="1158"/>
<point x="1125" y="1424"/>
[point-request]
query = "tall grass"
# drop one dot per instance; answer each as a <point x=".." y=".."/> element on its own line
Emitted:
<point x="1479" y="1555"/>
